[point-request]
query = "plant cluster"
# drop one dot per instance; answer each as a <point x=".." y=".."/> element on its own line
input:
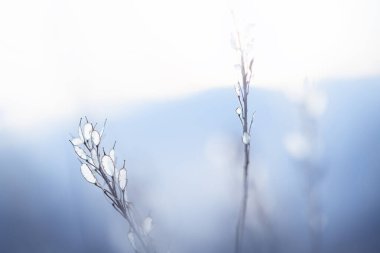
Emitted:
<point x="99" y="168"/>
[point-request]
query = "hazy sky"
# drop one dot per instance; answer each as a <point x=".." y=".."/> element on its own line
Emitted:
<point x="57" y="56"/>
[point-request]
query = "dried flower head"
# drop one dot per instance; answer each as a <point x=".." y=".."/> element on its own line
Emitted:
<point x="97" y="166"/>
<point x="100" y="169"/>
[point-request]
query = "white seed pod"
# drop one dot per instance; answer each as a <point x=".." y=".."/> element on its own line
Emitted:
<point x="95" y="137"/>
<point x="123" y="178"/>
<point x="237" y="90"/>
<point x="246" y="138"/>
<point x="80" y="134"/>
<point x="93" y="153"/>
<point x="87" y="130"/>
<point x="131" y="238"/>
<point x="77" y="141"/>
<point x="239" y="111"/>
<point x="108" y="165"/>
<point x="87" y="174"/>
<point x="80" y="152"/>
<point x="112" y="155"/>
<point x="147" y="225"/>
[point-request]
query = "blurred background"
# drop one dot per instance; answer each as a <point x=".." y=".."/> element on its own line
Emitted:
<point x="162" y="73"/>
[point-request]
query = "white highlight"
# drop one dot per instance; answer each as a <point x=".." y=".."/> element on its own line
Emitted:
<point x="297" y="146"/>
<point x="59" y="56"/>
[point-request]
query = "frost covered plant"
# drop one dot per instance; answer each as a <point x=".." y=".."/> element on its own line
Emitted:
<point x="304" y="148"/>
<point x="242" y="45"/>
<point x="99" y="168"/>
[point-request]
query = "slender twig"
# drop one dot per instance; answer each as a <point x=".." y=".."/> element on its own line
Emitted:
<point x="242" y="94"/>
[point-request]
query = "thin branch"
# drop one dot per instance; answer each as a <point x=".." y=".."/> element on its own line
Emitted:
<point x="250" y="124"/>
<point x="246" y="127"/>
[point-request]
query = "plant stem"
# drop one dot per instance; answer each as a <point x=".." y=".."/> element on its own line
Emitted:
<point x="243" y="208"/>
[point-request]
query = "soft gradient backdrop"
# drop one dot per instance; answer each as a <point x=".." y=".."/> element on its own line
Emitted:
<point x="162" y="72"/>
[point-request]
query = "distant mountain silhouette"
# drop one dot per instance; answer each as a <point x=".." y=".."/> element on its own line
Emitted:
<point x="184" y="166"/>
